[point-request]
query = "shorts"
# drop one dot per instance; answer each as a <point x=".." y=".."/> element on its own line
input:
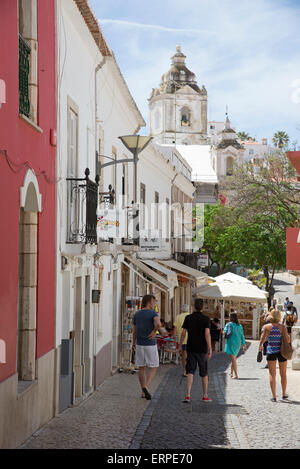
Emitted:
<point x="196" y="358"/>
<point x="276" y="356"/>
<point x="147" y="355"/>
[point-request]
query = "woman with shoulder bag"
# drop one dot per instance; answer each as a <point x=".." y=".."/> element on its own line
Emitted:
<point x="278" y="340"/>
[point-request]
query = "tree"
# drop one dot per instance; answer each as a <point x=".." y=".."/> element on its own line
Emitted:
<point x="216" y="219"/>
<point x="243" y="136"/>
<point x="268" y="187"/>
<point x="259" y="243"/>
<point x="280" y="139"/>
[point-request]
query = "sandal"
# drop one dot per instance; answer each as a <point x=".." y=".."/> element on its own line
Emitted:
<point x="147" y="394"/>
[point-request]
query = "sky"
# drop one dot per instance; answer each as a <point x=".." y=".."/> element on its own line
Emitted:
<point x="245" y="52"/>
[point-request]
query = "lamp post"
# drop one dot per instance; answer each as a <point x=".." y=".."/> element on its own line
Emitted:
<point x="135" y="144"/>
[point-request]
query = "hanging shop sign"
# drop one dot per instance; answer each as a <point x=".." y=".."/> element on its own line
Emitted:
<point x="202" y="260"/>
<point x="111" y="224"/>
<point x="150" y="240"/>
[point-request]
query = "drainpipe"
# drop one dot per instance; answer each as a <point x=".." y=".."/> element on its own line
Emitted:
<point x="99" y="66"/>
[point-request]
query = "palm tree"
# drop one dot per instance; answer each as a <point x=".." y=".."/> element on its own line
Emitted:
<point x="280" y="139"/>
<point x="243" y="136"/>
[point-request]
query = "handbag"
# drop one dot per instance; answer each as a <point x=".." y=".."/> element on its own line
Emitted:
<point x="286" y="349"/>
<point x="229" y="332"/>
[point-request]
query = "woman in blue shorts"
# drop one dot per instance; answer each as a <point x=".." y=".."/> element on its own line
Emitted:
<point x="273" y="334"/>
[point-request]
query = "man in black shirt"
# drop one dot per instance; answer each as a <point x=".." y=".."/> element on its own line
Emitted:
<point x="199" y="349"/>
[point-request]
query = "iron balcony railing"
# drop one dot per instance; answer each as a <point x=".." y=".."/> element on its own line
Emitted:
<point x="24" y="67"/>
<point x="82" y="210"/>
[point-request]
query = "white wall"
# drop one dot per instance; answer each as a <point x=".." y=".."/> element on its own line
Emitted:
<point x="77" y="57"/>
<point x="156" y="174"/>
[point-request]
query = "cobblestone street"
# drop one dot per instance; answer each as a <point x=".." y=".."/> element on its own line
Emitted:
<point x="240" y="416"/>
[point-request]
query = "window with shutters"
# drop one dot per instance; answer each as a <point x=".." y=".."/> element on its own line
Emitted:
<point x="28" y="59"/>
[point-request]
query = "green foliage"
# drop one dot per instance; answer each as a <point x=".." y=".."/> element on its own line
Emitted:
<point x="243" y="136"/>
<point x="280" y="139"/>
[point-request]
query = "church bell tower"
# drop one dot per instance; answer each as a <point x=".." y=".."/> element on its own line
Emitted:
<point x="178" y="108"/>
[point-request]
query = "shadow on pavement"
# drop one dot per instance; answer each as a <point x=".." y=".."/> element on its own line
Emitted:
<point x="289" y="402"/>
<point x="175" y="425"/>
<point x="248" y="379"/>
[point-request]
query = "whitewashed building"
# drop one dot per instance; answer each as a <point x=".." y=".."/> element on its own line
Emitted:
<point x="95" y="107"/>
<point x="77" y="273"/>
<point x="256" y="150"/>
<point x="117" y="115"/>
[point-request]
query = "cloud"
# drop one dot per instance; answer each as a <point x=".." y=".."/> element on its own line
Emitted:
<point x="155" y="27"/>
<point x="246" y="53"/>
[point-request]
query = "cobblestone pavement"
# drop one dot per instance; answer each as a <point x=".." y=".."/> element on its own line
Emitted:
<point x="107" y="419"/>
<point x="240" y="416"/>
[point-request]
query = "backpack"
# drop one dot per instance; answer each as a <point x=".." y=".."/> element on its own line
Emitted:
<point x="289" y="319"/>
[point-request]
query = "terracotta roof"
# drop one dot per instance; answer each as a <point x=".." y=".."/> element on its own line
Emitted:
<point x="93" y="25"/>
<point x="251" y="143"/>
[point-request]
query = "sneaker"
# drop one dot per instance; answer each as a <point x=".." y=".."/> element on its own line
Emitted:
<point x="206" y="399"/>
<point x="273" y="399"/>
<point x="285" y="396"/>
<point x="187" y="400"/>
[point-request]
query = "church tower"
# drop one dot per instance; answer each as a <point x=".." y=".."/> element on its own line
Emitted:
<point x="227" y="152"/>
<point x="178" y="108"/>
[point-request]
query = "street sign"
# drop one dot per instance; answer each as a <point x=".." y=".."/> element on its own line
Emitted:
<point x="202" y="260"/>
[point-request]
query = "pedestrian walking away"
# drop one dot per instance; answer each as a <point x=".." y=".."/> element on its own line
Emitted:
<point x="146" y="323"/>
<point x="215" y="332"/>
<point x="234" y="336"/>
<point x="286" y="303"/>
<point x="199" y="350"/>
<point x="265" y="344"/>
<point x="290" y="317"/>
<point x="177" y="331"/>
<point x="273" y="333"/>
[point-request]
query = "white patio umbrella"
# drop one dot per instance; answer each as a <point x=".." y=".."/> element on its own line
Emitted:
<point x="231" y="291"/>
<point x="229" y="276"/>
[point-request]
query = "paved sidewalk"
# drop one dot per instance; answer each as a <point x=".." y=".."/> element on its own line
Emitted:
<point x="240" y="416"/>
<point x="107" y="419"/>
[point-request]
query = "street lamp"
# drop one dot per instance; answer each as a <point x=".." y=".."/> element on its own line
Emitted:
<point x="135" y="144"/>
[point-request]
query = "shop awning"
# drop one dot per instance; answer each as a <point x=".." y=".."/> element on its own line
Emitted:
<point x="199" y="277"/>
<point x="232" y="291"/>
<point x="170" y="274"/>
<point x="160" y="281"/>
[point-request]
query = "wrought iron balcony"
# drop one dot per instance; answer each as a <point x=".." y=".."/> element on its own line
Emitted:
<point x="82" y="210"/>
<point x="24" y="67"/>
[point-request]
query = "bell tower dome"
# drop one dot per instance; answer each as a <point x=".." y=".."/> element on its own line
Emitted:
<point x="178" y="108"/>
